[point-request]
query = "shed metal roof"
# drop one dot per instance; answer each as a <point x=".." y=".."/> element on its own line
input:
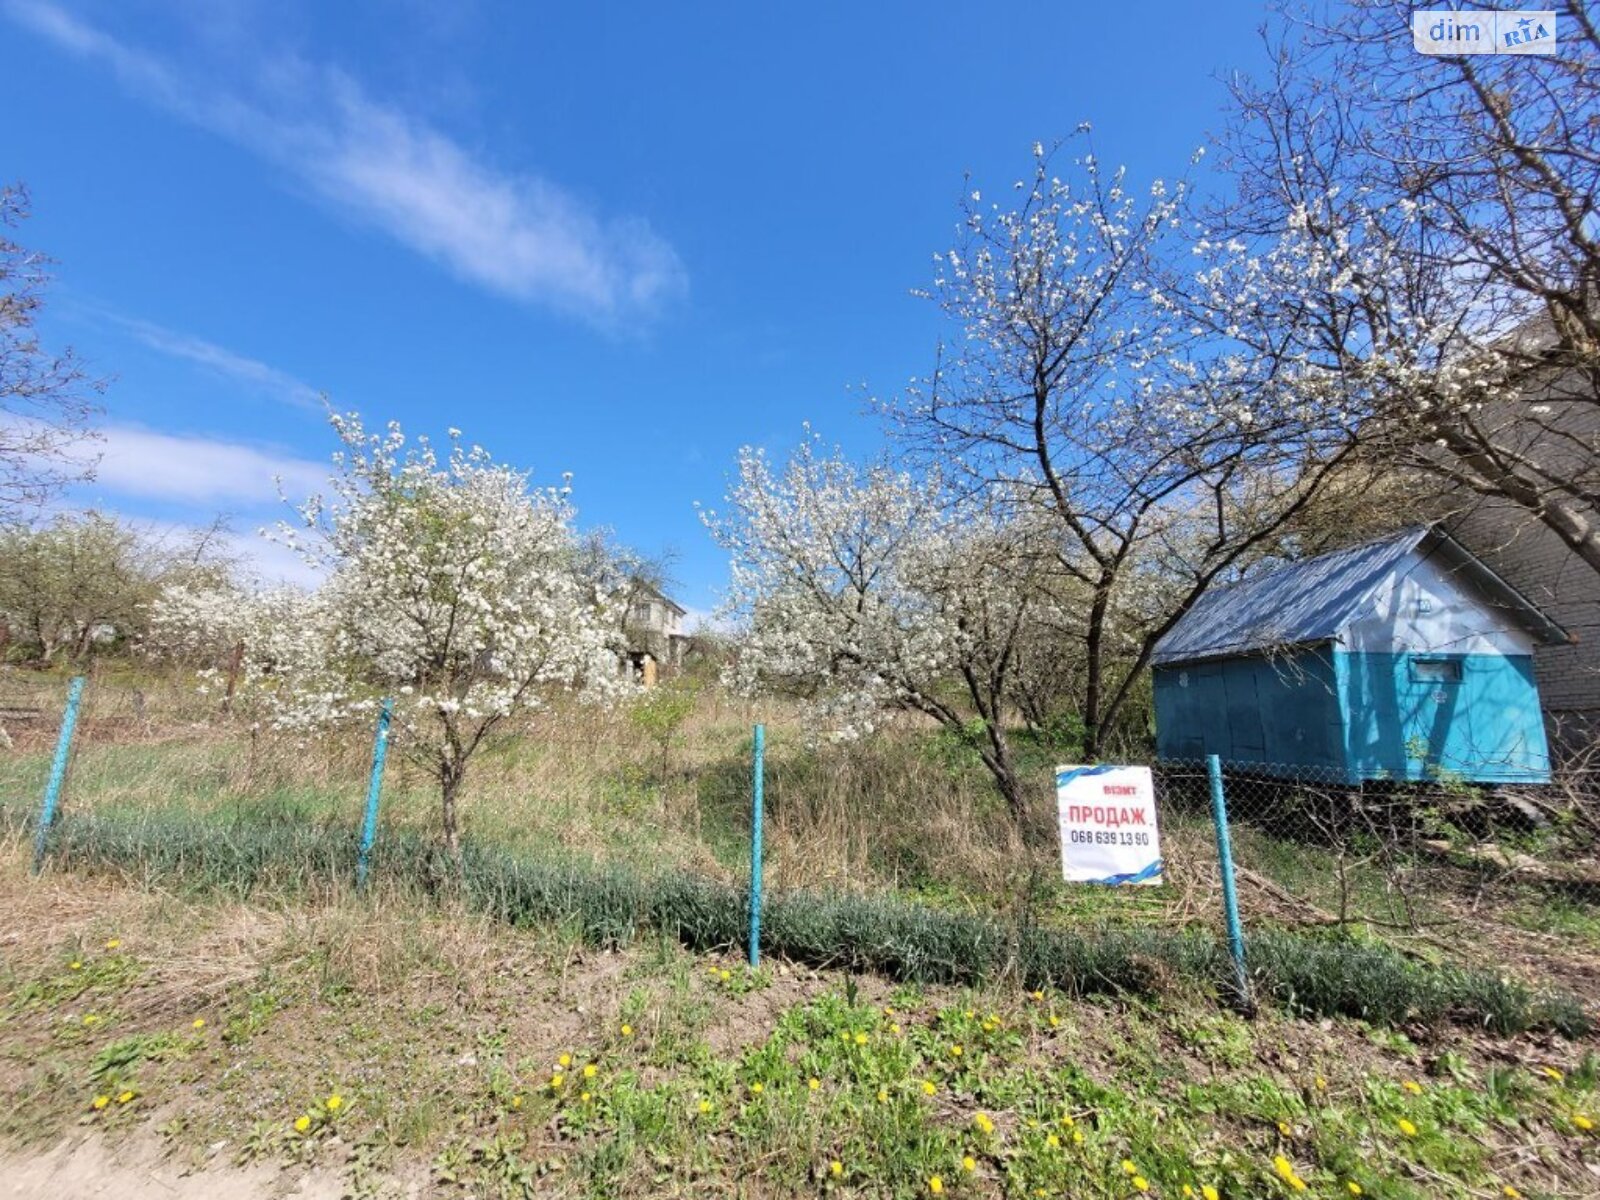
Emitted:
<point x="1311" y="601"/>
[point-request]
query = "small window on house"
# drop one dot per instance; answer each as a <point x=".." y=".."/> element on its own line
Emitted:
<point x="1436" y="670"/>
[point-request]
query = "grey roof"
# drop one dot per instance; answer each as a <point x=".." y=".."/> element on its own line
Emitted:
<point x="1311" y="601"/>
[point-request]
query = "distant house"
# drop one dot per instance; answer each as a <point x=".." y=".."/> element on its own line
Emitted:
<point x="1397" y="659"/>
<point x="655" y="635"/>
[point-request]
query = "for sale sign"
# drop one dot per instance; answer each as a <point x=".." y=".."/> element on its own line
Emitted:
<point x="1108" y="825"/>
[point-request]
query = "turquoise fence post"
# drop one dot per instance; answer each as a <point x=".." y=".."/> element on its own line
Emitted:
<point x="758" y="772"/>
<point x="369" y="824"/>
<point x="58" y="770"/>
<point x="1230" y="899"/>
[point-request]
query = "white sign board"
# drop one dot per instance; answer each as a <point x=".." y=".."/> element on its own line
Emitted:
<point x="1108" y="825"/>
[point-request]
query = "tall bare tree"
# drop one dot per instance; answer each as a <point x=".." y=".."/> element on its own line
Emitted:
<point x="46" y="399"/>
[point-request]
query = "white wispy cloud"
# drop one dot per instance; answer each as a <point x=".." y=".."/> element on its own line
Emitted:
<point x="518" y="235"/>
<point x="249" y="371"/>
<point x="142" y="463"/>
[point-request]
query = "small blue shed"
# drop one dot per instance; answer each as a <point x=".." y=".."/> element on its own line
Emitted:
<point x="1397" y="659"/>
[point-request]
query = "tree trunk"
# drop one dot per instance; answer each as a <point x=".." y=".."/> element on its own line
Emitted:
<point x="1094" y="651"/>
<point x="450" y="776"/>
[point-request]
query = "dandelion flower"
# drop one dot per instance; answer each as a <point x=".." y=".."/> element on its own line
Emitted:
<point x="836" y="1168"/>
<point x="1052" y="1141"/>
<point x="971" y="1015"/>
<point x="335" y="1102"/>
<point x="302" y="1123"/>
<point x="1187" y="1190"/>
<point x="1322" y="1084"/>
<point x="1066" y="1119"/>
<point x="91" y="1019"/>
<point x="861" y="1039"/>
<point x="883" y="1096"/>
<point x="557" y="1080"/>
<point x="75" y="966"/>
<point x="1128" y="1167"/>
<point x="516" y="1102"/>
<point x="756" y="1089"/>
<point x="1055" y="1021"/>
<point x="1583" y="1121"/>
<point x="1407" y="1128"/>
<point x="1286" y="1172"/>
<point x="705" y="1106"/>
<point x="955" y="1051"/>
<point x="1283" y="1128"/>
<point x="125" y="1097"/>
<point x="1077" y="1137"/>
<point x="564" y="1061"/>
<point x="590" y="1071"/>
<point x="198" y="1023"/>
<point x="100" y="1102"/>
<point x="1038" y="995"/>
<point x="1140" y="1182"/>
<point x="814" y="1083"/>
<point x="1209" y="1193"/>
<point x="929" y="1087"/>
<point x="1353" y="1187"/>
<point x="935" y="1184"/>
<point x="983" y="1123"/>
<point x="888" y="1010"/>
<point x="1552" y="1073"/>
<point x="894" y="1028"/>
<point x="114" y="944"/>
<point x="1413" y="1087"/>
<point x="1510" y="1193"/>
<point x="968" y="1163"/>
<point x="725" y="976"/>
<point x="627" y="1031"/>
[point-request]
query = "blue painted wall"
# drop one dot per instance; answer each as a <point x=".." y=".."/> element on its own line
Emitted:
<point x="1356" y="716"/>
<point x="1411" y="715"/>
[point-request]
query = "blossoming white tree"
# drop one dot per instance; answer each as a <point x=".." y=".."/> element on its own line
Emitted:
<point x="867" y="590"/>
<point x="448" y="585"/>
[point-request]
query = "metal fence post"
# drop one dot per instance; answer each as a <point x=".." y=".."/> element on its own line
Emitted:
<point x="58" y="770"/>
<point x="369" y="824"/>
<point x="758" y="772"/>
<point x="1230" y="900"/>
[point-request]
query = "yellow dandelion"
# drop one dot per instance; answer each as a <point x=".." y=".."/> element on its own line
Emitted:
<point x="100" y="1102"/>
<point x="1052" y="1141"/>
<point x="1583" y="1121"/>
<point x="557" y="1080"/>
<point x="845" y="1034"/>
<point x="935" y="1184"/>
<point x="955" y="1051"/>
<point x="725" y="976"/>
<point x="1055" y="1021"/>
<point x="1552" y="1073"/>
<point x="1283" y="1128"/>
<point x="1322" y="1084"/>
<point x="836" y="1168"/>
<point x="705" y="1106"/>
<point x="888" y="1010"/>
<point x="1208" y="1193"/>
<point x="586" y="1097"/>
<point x="516" y="1102"/>
<point x="335" y="1102"/>
<point x="861" y="1039"/>
<point x="1128" y="1168"/>
<point x="198" y="1023"/>
<point x="1141" y="1183"/>
<point x="91" y="1019"/>
<point x="929" y="1087"/>
<point x="894" y="1028"/>
<point x="1286" y="1172"/>
<point x="983" y="1123"/>
<point x="1353" y="1187"/>
<point x="627" y="1031"/>
<point x="1038" y="995"/>
<point x="814" y="1083"/>
<point x="968" y="1163"/>
<point x="75" y="966"/>
<point x="1187" y="1190"/>
<point x="1066" y="1119"/>
<point x="114" y="944"/>
<point x="971" y="1015"/>
<point x="590" y="1071"/>
<point x="302" y="1123"/>
<point x="756" y="1089"/>
<point x="1510" y="1193"/>
<point x="1077" y="1137"/>
<point x="1407" y="1128"/>
<point x="1413" y="1087"/>
<point x="125" y="1097"/>
<point x="988" y="1027"/>
<point x="883" y="1096"/>
<point x="564" y="1061"/>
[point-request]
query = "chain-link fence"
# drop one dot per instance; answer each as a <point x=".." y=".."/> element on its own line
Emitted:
<point x="1469" y="867"/>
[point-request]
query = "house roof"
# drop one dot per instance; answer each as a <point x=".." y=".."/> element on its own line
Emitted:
<point x="1312" y="601"/>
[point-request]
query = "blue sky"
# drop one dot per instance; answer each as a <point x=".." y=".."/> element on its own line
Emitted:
<point x="617" y="240"/>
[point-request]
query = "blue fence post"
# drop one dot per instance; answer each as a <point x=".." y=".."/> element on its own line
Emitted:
<point x="1230" y="899"/>
<point x="58" y="770"/>
<point x="369" y="825"/>
<point x="758" y="773"/>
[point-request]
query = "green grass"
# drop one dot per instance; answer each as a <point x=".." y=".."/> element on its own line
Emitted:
<point x="613" y="906"/>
